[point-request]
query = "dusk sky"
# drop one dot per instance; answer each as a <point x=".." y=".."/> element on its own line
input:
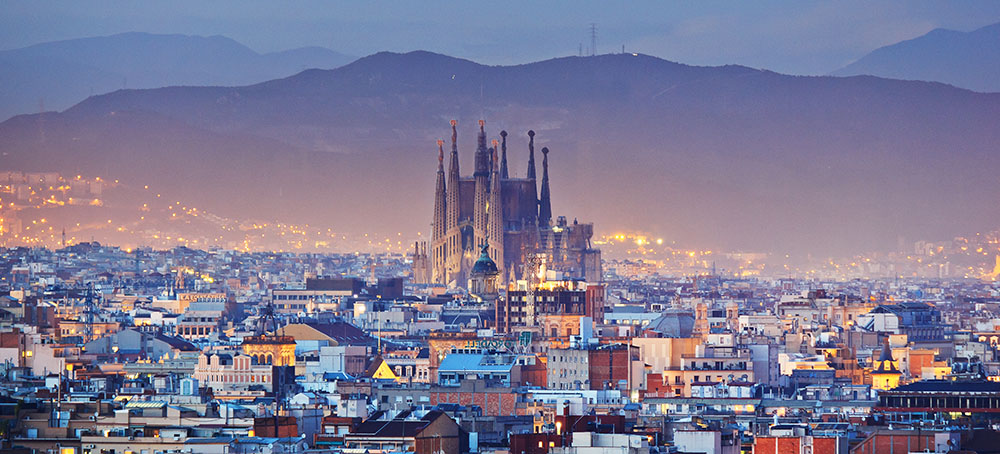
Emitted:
<point x="781" y="154"/>
<point x="804" y="37"/>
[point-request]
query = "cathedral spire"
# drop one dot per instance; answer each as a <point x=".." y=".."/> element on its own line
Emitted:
<point x="453" y="196"/>
<point x="446" y="244"/>
<point x="531" y="177"/>
<point x="481" y="196"/>
<point x="453" y="169"/>
<point x="531" y="155"/>
<point x="545" y="204"/>
<point x="503" y="155"/>
<point x="441" y="156"/>
<point x="494" y="214"/>
<point x="483" y="157"/>
<point x="440" y="199"/>
<point x="482" y="134"/>
<point x="494" y="161"/>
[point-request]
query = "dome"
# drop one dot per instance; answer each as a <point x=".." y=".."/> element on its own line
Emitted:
<point x="484" y="264"/>
<point x="885" y="363"/>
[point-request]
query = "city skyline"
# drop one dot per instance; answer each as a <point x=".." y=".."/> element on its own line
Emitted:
<point x="499" y="228"/>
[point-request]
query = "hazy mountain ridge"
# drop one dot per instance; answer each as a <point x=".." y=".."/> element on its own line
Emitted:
<point x="60" y="74"/>
<point x="715" y="156"/>
<point x="964" y="59"/>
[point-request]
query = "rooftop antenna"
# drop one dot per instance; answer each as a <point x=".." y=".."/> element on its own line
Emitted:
<point x="593" y="39"/>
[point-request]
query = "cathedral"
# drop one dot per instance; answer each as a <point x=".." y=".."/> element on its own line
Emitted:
<point x="513" y="216"/>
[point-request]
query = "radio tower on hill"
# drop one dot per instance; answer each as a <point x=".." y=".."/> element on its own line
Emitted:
<point x="593" y="39"/>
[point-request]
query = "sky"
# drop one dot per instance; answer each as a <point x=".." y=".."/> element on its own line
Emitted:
<point x="793" y="37"/>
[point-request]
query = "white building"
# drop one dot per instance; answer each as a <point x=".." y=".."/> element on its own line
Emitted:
<point x="596" y="443"/>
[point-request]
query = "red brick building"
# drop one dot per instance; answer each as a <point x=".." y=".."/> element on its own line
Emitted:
<point x="801" y="445"/>
<point x="534" y="374"/>
<point x="333" y="431"/>
<point x="568" y="424"/>
<point x="535" y="443"/>
<point x="493" y="403"/>
<point x="906" y="441"/>
<point x="610" y="364"/>
<point x="658" y="386"/>
<point x="595" y="302"/>
<point x="286" y="426"/>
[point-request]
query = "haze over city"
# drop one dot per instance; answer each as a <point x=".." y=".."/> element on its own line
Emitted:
<point x="325" y="227"/>
<point x="725" y="158"/>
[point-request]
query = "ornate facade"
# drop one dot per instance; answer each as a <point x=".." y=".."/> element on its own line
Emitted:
<point x="270" y="350"/>
<point x="509" y="214"/>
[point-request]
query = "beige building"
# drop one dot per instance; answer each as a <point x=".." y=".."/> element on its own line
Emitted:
<point x="712" y="365"/>
<point x="231" y="371"/>
<point x="568" y="369"/>
<point x="410" y="366"/>
<point x="665" y="353"/>
<point x="180" y="303"/>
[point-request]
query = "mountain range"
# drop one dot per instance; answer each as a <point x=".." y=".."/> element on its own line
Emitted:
<point x="56" y="75"/>
<point x="964" y="59"/>
<point x="725" y="157"/>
